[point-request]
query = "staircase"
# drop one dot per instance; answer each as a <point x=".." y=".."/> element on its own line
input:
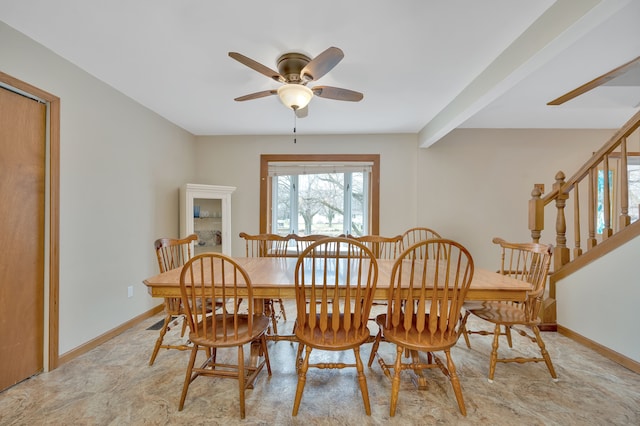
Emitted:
<point x="597" y="210"/>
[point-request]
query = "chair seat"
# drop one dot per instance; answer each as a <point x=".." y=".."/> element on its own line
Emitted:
<point x="500" y="312"/>
<point x="243" y="335"/>
<point x="412" y="339"/>
<point x="331" y="339"/>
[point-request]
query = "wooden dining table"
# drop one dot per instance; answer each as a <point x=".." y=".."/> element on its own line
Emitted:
<point x="273" y="278"/>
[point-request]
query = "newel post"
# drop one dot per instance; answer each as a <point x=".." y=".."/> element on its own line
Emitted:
<point x="536" y="212"/>
<point x="561" y="253"/>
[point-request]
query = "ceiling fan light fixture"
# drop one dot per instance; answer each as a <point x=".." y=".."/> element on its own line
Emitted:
<point x="295" y="96"/>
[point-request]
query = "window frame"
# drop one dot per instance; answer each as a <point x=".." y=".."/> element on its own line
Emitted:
<point x="266" y="182"/>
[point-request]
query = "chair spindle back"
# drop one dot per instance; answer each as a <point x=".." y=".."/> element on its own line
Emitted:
<point x="427" y="294"/>
<point x="214" y="276"/>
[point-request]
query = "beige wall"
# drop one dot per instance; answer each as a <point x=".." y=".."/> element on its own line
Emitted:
<point x="121" y="167"/>
<point x="475" y="184"/>
<point x="235" y="161"/>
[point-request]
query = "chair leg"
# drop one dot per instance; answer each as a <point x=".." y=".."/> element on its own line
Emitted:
<point x="284" y="314"/>
<point x="455" y="382"/>
<point x="163" y="331"/>
<point x="395" y="383"/>
<point x="417" y="370"/>
<point x="465" y="333"/>
<point x="545" y="354"/>
<point x="507" y="332"/>
<point x="188" y="379"/>
<point x="263" y="342"/>
<point x="302" y="379"/>
<point x="274" y="323"/>
<point x="363" y="381"/>
<point x="374" y="348"/>
<point x="241" y="379"/>
<point x="270" y="312"/>
<point x="494" y="353"/>
<point x="184" y="326"/>
<point x="299" y="357"/>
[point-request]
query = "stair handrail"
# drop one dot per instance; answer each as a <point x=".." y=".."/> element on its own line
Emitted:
<point x="562" y="190"/>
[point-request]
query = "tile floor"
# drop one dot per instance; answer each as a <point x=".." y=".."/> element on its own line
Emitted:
<point x="113" y="385"/>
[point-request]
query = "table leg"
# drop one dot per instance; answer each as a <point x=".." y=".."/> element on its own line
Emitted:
<point x="419" y="379"/>
<point x="256" y="349"/>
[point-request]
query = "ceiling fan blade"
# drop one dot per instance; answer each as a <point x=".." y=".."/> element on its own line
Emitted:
<point x="321" y="64"/>
<point x="337" y="93"/>
<point x="302" y="112"/>
<point x="256" y="95"/>
<point x="257" y="66"/>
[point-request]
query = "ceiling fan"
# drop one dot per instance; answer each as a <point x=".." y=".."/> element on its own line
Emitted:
<point x="295" y="71"/>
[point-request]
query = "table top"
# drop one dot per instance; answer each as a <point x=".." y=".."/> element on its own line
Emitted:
<point x="273" y="277"/>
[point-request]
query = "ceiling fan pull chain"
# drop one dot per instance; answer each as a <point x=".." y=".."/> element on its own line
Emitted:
<point x="294" y="126"/>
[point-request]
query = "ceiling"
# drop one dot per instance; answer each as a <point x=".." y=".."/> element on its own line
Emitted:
<point x="425" y="67"/>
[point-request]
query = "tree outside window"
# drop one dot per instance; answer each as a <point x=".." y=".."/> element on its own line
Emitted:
<point x="320" y="203"/>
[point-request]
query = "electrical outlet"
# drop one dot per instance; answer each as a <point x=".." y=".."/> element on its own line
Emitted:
<point x="130" y="291"/>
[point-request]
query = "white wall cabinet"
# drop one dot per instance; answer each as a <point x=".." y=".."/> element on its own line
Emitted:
<point x="205" y="210"/>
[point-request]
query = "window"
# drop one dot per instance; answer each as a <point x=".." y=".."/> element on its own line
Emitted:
<point x="633" y="190"/>
<point x="319" y="194"/>
<point x="633" y="173"/>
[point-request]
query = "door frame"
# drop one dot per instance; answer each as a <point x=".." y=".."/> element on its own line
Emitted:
<point x="52" y="217"/>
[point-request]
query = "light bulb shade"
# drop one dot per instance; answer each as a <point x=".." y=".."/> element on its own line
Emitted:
<point x="295" y="96"/>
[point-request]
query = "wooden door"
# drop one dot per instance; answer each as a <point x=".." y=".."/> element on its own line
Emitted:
<point x="22" y="202"/>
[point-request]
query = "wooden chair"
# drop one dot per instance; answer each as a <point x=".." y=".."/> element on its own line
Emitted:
<point x="211" y="276"/>
<point x="423" y="312"/>
<point x="265" y="245"/>
<point x="335" y="279"/>
<point x="382" y="247"/>
<point x="304" y="241"/>
<point x="527" y="262"/>
<point x="415" y="235"/>
<point x="392" y="248"/>
<point x="171" y="253"/>
<point x="268" y="245"/>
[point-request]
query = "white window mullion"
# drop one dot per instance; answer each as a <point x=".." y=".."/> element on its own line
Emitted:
<point x="274" y="203"/>
<point x="293" y="197"/>
<point x="347" y="204"/>
<point x="365" y="199"/>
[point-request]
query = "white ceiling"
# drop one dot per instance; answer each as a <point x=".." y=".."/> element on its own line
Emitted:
<point x="425" y="66"/>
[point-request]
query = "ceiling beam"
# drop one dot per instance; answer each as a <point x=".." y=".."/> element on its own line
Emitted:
<point x="555" y="30"/>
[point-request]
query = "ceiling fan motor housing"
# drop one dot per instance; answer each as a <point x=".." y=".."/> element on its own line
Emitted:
<point x="291" y="64"/>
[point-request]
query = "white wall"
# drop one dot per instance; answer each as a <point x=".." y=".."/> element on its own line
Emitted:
<point x="121" y="167"/>
<point x="235" y="161"/>
<point x="600" y="300"/>
<point x="475" y="184"/>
